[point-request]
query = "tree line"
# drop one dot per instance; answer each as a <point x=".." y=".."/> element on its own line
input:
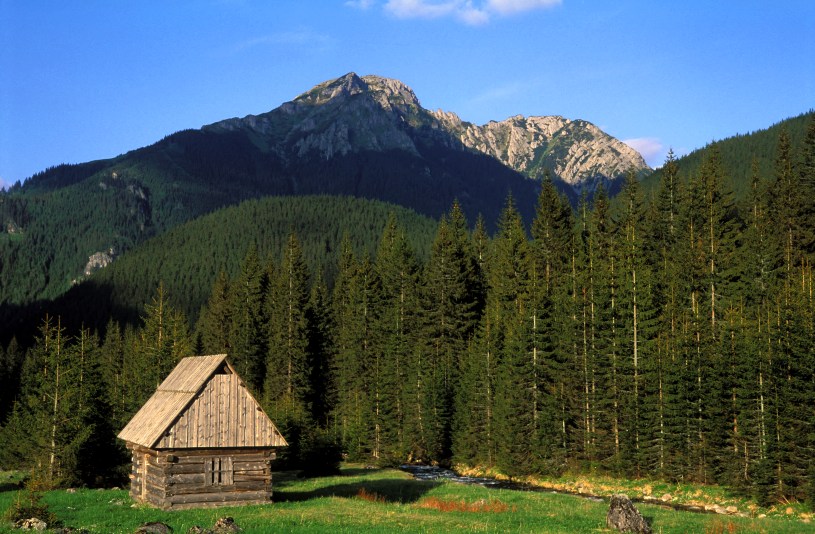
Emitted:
<point x="669" y="339"/>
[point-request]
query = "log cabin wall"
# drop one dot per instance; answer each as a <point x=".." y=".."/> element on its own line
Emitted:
<point x="175" y="479"/>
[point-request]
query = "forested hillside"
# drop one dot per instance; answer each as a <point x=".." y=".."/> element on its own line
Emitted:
<point x="670" y="339"/>
<point x="738" y="153"/>
<point x="188" y="258"/>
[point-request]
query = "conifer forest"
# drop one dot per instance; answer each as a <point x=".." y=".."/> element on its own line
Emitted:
<point x="665" y="333"/>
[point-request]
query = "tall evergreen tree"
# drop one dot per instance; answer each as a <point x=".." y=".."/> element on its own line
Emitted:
<point x="398" y="270"/>
<point x="163" y="340"/>
<point x="246" y="332"/>
<point x="215" y="319"/>
<point x="287" y="373"/>
<point x="451" y="305"/>
<point x="552" y="235"/>
<point x="517" y="404"/>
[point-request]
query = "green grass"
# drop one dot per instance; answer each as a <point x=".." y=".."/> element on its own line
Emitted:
<point x="386" y="501"/>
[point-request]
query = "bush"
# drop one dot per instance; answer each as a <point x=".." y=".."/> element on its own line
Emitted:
<point x="29" y="504"/>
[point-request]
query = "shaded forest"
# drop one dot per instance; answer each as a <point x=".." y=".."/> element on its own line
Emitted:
<point x="670" y="338"/>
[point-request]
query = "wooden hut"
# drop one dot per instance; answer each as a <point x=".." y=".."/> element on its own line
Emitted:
<point x="201" y="440"/>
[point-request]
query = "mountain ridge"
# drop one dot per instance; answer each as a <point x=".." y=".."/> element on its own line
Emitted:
<point x="576" y="151"/>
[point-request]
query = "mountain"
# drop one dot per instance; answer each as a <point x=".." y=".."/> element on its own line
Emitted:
<point x="366" y="137"/>
<point x="345" y="115"/>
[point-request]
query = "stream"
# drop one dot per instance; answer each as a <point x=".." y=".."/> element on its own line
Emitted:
<point x="429" y="472"/>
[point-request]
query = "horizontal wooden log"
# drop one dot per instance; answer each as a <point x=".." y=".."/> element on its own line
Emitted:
<point x="187" y="506"/>
<point x="185" y="469"/>
<point x="156" y="471"/>
<point x="227" y="451"/>
<point x="217" y="497"/>
<point x="251" y="477"/>
<point x="242" y="487"/>
<point x="240" y="465"/>
<point x="186" y="478"/>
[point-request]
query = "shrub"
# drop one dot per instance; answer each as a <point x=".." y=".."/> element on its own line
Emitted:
<point x="29" y="504"/>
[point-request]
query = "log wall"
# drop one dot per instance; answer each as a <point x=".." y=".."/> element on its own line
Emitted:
<point x="201" y="477"/>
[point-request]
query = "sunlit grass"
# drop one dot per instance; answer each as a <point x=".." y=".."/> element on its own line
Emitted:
<point x="362" y="500"/>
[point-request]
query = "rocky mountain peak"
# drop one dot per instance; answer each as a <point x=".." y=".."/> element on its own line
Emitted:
<point x="391" y="93"/>
<point x="340" y="88"/>
<point x="353" y="113"/>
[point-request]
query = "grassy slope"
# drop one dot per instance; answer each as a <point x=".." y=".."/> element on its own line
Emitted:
<point x="399" y="504"/>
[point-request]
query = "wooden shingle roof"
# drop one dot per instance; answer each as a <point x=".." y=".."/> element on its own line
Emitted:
<point x="190" y="409"/>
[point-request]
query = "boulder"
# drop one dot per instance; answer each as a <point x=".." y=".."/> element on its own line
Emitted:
<point x="225" y="525"/>
<point x="623" y="516"/>
<point x="32" y="523"/>
<point x="153" y="527"/>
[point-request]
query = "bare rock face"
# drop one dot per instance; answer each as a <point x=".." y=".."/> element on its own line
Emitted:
<point x="577" y="151"/>
<point x="623" y="516"/>
<point x="99" y="260"/>
<point x="354" y="113"/>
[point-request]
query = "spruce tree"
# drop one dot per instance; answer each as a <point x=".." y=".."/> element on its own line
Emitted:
<point x="451" y="304"/>
<point x="287" y="372"/>
<point x="247" y="336"/>
<point x="399" y="325"/>
<point x="517" y="404"/>
<point x="215" y="319"/>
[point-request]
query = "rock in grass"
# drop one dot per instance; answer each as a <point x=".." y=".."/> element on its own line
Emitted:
<point x="623" y="516"/>
<point x="225" y="525"/>
<point x="153" y="527"/>
<point x="32" y="523"/>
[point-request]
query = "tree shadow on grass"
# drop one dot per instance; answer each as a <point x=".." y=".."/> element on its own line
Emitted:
<point x="11" y="482"/>
<point x="359" y="471"/>
<point x="401" y="491"/>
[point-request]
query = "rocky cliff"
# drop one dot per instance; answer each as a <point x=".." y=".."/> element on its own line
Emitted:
<point x="372" y="113"/>
<point x="576" y="151"/>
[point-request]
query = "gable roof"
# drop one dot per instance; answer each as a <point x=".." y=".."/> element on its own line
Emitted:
<point x="221" y="410"/>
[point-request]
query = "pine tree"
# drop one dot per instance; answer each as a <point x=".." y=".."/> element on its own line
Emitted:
<point x="322" y="394"/>
<point x="215" y="319"/>
<point x="552" y="238"/>
<point x="398" y="270"/>
<point x="246" y="332"/>
<point x="45" y="418"/>
<point x="637" y="328"/>
<point x="357" y="307"/>
<point x="163" y="340"/>
<point x="451" y="304"/>
<point x="667" y="258"/>
<point x="806" y="171"/>
<point x="287" y="373"/>
<point x="93" y="455"/>
<point x="517" y="404"/>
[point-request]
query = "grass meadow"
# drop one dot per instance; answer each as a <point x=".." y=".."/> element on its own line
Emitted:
<point x="386" y="501"/>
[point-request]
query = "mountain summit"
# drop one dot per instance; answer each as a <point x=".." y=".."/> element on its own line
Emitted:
<point x="367" y="137"/>
<point x="353" y="114"/>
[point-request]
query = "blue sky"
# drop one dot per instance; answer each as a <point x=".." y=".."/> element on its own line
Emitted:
<point x="93" y="79"/>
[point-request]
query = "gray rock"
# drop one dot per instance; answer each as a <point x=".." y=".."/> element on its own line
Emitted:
<point x="153" y="527"/>
<point x="623" y="516"/>
<point x="225" y="525"/>
<point x="31" y="523"/>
